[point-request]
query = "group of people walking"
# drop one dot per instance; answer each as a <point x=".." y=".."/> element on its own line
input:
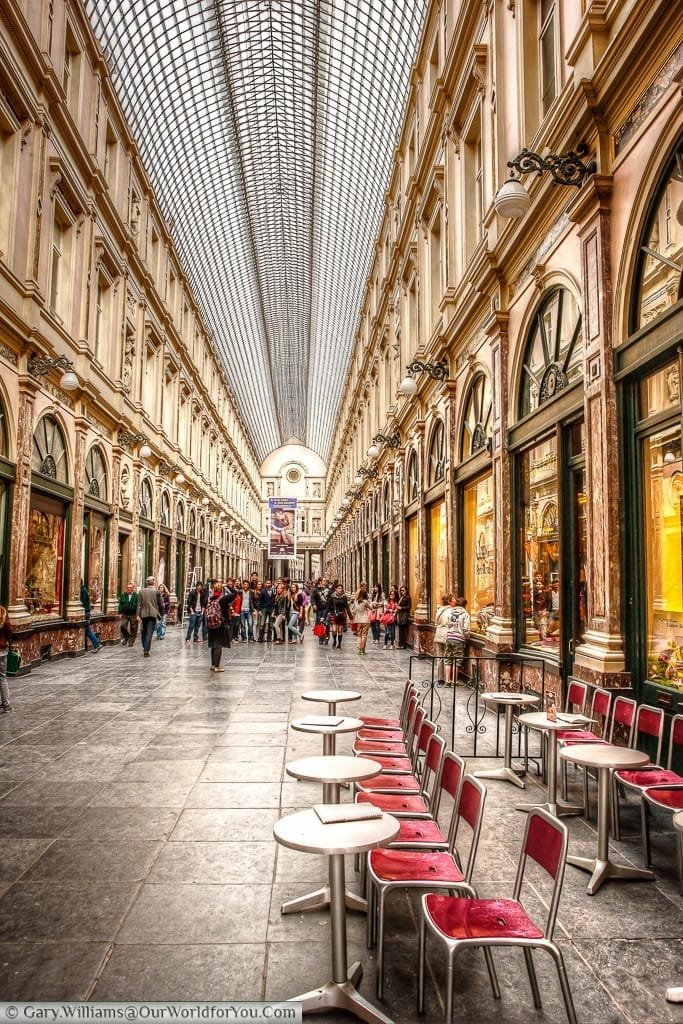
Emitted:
<point x="368" y="612"/>
<point x="147" y="608"/>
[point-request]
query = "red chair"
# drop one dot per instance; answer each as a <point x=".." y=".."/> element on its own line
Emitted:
<point x="417" y="869"/>
<point x="426" y="834"/>
<point x="640" y="779"/>
<point x="392" y="735"/>
<point x="390" y="781"/>
<point x="601" y="705"/>
<point x="462" y="923"/>
<point x="413" y="805"/>
<point x="373" y="722"/>
<point x="623" y="721"/>
<point x="401" y="747"/>
<point x="668" y="798"/>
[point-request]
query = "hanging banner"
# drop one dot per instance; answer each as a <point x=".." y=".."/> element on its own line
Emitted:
<point x="282" y="533"/>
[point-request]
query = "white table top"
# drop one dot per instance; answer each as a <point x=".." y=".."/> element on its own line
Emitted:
<point x="505" y="697"/>
<point x="305" y="831"/>
<point x="604" y="755"/>
<point x="540" y="720"/>
<point x="331" y="696"/>
<point x="335" y="768"/>
<point x="346" y="725"/>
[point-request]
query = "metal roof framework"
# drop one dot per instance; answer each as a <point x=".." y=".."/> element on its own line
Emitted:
<point x="268" y="129"/>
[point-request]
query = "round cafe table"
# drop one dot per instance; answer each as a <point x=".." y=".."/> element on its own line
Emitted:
<point x="606" y="757"/>
<point x="332" y="772"/>
<point x="305" y="831"/>
<point x="540" y="721"/>
<point x="331" y="698"/>
<point x="328" y="730"/>
<point x="509" y="701"/>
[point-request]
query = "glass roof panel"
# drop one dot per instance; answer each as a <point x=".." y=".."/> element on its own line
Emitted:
<point x="268" y="129"/>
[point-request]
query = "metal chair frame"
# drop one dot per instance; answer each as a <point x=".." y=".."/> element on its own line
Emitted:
<point x="545" y="841"/>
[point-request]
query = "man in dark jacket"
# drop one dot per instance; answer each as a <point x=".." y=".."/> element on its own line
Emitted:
<point x="196" y="603"/>
<point x="151" y="608"/>
<point x="128" y="610"/>
<point x="267" y="608"/>
<point x="320" y="596"/>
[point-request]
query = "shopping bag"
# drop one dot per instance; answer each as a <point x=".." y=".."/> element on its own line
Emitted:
<point x="319" y="629"/>
<point x="13" y="662"/>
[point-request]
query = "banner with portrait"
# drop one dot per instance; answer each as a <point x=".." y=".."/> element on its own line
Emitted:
<point x="282" y="531"/>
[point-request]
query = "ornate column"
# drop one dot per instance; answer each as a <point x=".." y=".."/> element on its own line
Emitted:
<point x="135" y="526"/>
<point x="18" y="612"/>
<point x="173" y="551"/>
<point x="74" y="608"/>
<point x="500" y="633"/>
<point x="112" y="595"/>
<point x="452" y="459"/>
<point x="600" y="658"/>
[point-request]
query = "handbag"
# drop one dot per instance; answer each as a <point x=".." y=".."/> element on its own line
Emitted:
<point x="319" y="629"/>
<point x="388" y="619"/>
<point x="13" y="661"/>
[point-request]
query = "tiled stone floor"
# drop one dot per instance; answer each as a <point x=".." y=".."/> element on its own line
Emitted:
<point x="137" y="800"/>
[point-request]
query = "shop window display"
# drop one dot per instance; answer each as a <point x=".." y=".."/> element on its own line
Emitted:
<point x="438" y="555"/>
<point x="540" y="546"/>
<point x="94" y="546"/>
<point x="479" y="551"/>
<point x="662" y="469"/>
<point x="45" y="558"/>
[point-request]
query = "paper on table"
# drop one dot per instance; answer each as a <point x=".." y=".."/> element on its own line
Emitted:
<point x="573" y="719"/>
<point x="330" y="813"/>
<point x="321" y="720"/>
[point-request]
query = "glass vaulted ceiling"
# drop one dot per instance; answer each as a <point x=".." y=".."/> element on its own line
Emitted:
<point x="268" y="129"/>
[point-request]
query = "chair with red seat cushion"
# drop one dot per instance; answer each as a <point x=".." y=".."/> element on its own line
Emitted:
<point x="390" y="782"/>
<point x="374" y="722"/>
<point x="668" y="798"/>
<point x="621" y="726"/>
<point x="413" y="805"/>
<point x="601" y="705"/>
<point x="427" y="834"/>
<point x="401" y="747"/>
<point x="650" y="723"/>
<point x="459" y="923"/>
<point x="420" y="869"/>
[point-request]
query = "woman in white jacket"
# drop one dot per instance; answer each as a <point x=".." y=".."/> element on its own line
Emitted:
<point x="361" y="616"/>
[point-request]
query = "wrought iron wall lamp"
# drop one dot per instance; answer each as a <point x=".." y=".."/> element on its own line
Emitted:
<point x="38" y="366"/>
<point x="435" y="371"/>
<point x="512" y="199"/>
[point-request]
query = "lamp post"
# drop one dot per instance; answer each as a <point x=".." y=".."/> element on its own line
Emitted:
<point x="38" y="366"/>
<point x="512" y="199"/>
<point x="435" y="371"/>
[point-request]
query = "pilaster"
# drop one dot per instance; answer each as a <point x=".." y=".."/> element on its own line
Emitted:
<point x="18" y="612"/>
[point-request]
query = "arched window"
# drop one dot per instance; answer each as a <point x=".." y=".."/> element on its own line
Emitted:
<point x="96" y="474"/>
<point x="437" y="455"/>
<point x="476" y="427"/>
<point x="386" y="504"/>
<point x="180" y="517"/>
<point x="4" y="435"/>
<point x="553" y="358"/>
<point x="49" y="451"/>
<point x="202" y="528"/>
<point x="412" y="480"/>
<point x="146" y="501"/>
<point x="659" y="277"/>
<point x="193" y="523"/>
<point x="165" y="509"/>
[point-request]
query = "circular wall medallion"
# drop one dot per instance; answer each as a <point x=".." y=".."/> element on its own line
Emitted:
<point x="293" y="476"/>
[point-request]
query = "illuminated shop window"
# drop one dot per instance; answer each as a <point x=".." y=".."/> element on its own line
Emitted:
<point x="540" y="546"/>
<point x="479" y="551"/>
<point x="662" y="471"/>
